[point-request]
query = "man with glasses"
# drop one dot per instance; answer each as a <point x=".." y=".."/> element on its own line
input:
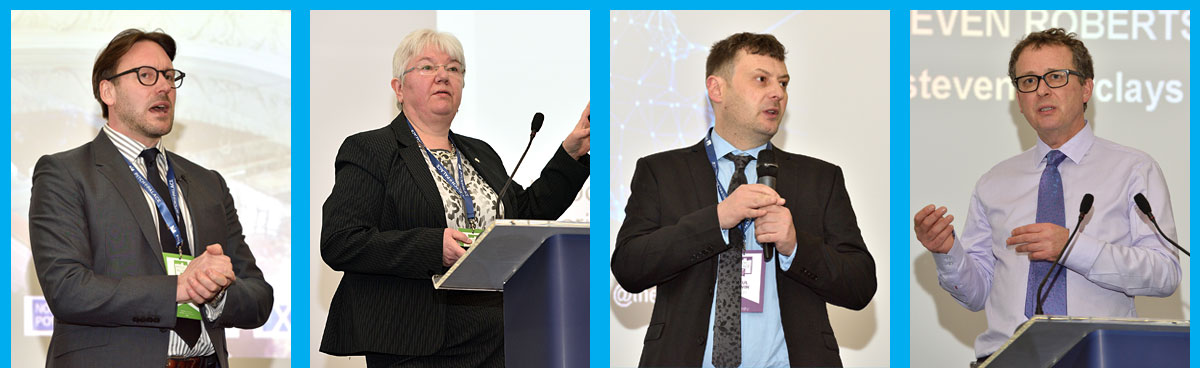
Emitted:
<point x="1016" y="226"/>
<point x="139" y="251"/>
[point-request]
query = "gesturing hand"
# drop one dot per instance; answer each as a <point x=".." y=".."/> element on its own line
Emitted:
<point x="579" y="141"/>
<point x="933" y="228"/>
<point x="1043" y="242"/>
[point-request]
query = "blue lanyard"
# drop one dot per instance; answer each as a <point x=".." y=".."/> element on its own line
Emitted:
<point x="712" y="159"/>
<point x="459" y="186"/>
<point x="163" y="210"/>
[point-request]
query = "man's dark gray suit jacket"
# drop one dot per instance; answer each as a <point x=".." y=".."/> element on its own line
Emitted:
<point x="671" y="238"/>
<point x="99" y="263"/>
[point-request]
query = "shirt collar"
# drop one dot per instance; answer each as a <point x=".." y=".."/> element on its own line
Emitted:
<point x="1076" y="148"/>
<point x="129" y="147"/>
<point x="722" y="147"/>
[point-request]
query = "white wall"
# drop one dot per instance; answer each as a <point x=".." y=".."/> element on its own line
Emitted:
<point x="957" y="137"/>
<point x="515" y="68"/>
<point x="838" y="111"/>
<point x="233" y="115"/>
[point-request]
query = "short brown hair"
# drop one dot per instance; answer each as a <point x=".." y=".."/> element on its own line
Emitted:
<point x="1054" y="37"/>
<point x="106" y="62"/>
<point x="724" y="51"/>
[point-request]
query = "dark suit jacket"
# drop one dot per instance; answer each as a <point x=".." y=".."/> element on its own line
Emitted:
<point x="671" y="238"/>
<point x="98" y="259"/>
<point x="383" y="226"/>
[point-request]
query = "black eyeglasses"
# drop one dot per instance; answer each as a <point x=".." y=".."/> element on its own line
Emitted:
<point x="1054" y="79"/>
<point x="148" y="75"/>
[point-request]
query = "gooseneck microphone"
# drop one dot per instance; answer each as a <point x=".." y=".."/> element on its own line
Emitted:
<point x="767" y="172"/>
<point x="538" y="118"/>
<point x="1144" y="206"/>
<point x="1084" y="207"/>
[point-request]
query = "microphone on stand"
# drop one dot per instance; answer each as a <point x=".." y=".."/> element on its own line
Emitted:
<point x="538" y="118"/>
<point x="1144" y="206"/>
<point x="767" y="172"/>
<point x="1084" y="207"/>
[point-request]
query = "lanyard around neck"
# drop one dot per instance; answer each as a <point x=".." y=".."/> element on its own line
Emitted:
<point x="459" y="186"/>
<point x="163" y="210"/>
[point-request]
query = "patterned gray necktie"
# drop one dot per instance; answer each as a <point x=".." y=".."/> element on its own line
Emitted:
<point x="727" y="325"/>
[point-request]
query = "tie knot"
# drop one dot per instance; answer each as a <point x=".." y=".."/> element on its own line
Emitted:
<point x="739" y="161"/>
<point x="1054" y="157"/>
<point x="150" y="154"/>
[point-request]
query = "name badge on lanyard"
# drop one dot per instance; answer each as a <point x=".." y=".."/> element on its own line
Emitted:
<point x="752" y="281"/>
<point x="176" y="263"/>
<point x="460" y="185"/>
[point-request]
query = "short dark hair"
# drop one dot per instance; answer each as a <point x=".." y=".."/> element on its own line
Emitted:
<point x="724" y="51"/>
<point x="106" y="62"/>
<point x="1054" y="37"/>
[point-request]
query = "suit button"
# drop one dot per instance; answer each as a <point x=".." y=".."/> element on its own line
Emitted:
<point x="163" y="330"/>
<point x="700" y="341"/>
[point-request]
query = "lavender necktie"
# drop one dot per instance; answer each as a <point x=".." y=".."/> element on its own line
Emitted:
<point x="727" y="324"/>
<point x="1050" y="209"/>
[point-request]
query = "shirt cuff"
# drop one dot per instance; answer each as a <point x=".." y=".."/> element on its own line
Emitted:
<point x="215" y="307"/>
<point x="950" y="262"/>
<point x="1083" y="254"/>
<point x="785" y="262"/>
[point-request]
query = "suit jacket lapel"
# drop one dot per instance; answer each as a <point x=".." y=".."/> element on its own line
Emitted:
<point x="786" y="165"/>
<point x="703" y="180"/>
<point x="109" y="163"/>
<point x="411" y="154"/>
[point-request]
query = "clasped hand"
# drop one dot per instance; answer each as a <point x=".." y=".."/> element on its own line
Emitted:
<point x="772" y="221"/>
<point x="205" y="277"/>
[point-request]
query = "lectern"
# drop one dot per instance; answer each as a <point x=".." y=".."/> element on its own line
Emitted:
<point x="542" y="268"/>
<point x="1060" y="341"/>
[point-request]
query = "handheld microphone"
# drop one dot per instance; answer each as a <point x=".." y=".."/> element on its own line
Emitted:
<point x="767" y="172"/>
<point x="538" y="118"/>
<point x="1144" y="206"/>
<point x="1084" y="207"/>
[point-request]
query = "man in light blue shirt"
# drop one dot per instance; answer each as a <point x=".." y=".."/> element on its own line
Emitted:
<point x="1016" y="225"/>
<point x="698" y="219"/>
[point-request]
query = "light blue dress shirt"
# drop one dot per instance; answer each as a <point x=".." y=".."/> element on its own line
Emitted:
<point x="762" y="333"/>
<point x="1117" y="253"/>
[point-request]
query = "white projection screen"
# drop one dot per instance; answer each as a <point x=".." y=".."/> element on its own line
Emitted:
<point x="838" y="109"/>
<point x="964" y="120"/>
<point x="233" y="115"/>
<point x="518" y="63"/>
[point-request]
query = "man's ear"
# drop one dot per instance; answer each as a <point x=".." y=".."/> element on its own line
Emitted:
<point x="108" y="92"/>
<point x="715" y="86"/>
<point x="1087" y="90"/>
